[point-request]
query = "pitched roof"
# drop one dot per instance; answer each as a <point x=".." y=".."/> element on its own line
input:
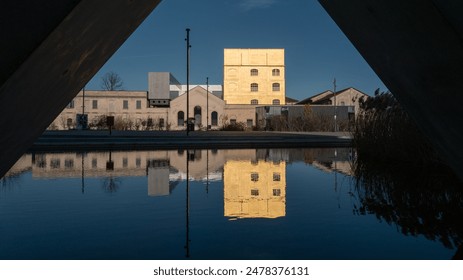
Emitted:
<point x="310" y="99"/>
<point x="327" y="94"/>
<point x="290" y="100"/>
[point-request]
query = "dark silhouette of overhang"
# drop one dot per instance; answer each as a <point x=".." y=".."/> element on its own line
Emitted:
<point x="49" y="51"/>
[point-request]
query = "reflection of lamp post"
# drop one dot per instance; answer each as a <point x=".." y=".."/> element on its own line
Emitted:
<point x="188" y="80"/>
<point x="207" y="171"/>
<point x="335" y="174"/>
<point x="187" y="243"/>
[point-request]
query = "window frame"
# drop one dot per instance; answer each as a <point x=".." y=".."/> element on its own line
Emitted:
<point x="180" y="119"/>
<point x="254" y="87"/>
<point x="214" y="119"/>
<point x="276" y="87"/>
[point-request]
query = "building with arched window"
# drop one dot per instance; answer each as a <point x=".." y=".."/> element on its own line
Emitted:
<point x="254" y="82"/>
<point x="254" y="74"/>
<point x="201" y="104"/>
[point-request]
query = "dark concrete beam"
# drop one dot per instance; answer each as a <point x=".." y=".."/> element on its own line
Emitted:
<point x="25" y="24"/>
<point x="416" y="48"/>
<point x="68" y="43"/>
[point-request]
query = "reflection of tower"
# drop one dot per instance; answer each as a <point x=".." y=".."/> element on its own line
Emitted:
<point x="158" y="177"/>
<point x="254" y="189"/>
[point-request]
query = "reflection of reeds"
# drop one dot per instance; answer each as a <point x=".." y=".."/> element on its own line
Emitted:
<point x="400" y="178"/>
<point x="418" y="200"/>
<point x="9" y="181"/>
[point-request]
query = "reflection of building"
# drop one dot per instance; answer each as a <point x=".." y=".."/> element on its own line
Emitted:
<point x="254" y="189"/>
<point x="158" y="177"/>
<point x="254" y="179"/>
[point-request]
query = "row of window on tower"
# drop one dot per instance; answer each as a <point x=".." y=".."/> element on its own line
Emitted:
<point x="255" y="87"/>
<point x="274" y="102"/>
<point x="275" y="72"/>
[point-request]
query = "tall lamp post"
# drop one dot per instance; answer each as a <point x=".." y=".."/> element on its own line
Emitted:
<point x="335" y="104"/>
<point x="207" y="103"/>
<point x="188" y="46"/>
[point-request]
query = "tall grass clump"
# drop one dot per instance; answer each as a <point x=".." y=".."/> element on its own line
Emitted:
<point x="384" y="131"/>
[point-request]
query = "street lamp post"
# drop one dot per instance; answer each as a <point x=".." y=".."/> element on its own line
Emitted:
<point x="207" y="103"/>
<point x="188" y="46"/>
<point x="335" y="124"/>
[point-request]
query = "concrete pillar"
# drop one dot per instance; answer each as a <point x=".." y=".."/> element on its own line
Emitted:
<point x="416" y="48"/>
<point x="51" y="51"/>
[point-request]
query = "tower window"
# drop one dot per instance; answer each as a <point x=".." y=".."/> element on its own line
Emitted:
<point x="275" y="72"/>
<point x="276" y="86"/>
<point x="254" y="87"/>
<point x="254" y="72"/>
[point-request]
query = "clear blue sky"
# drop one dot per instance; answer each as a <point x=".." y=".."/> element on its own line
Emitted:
<point x="316" y="51"/>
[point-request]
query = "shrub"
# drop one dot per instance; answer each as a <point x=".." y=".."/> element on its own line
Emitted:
<point x="239" y="126"/>
<point x="383" y="130"/>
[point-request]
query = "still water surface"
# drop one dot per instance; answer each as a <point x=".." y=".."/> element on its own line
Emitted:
<point x="237" y="204"/>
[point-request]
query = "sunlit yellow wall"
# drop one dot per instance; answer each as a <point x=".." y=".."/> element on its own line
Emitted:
<point x="240" y="199"/>
<point x="237" y="75"/>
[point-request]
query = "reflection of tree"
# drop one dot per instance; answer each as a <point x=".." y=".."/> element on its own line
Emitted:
<point x="110" y="184"/>
<point x="419" y="201"/>
<point x="11" y="178"/>
<point x="9" y="181"/>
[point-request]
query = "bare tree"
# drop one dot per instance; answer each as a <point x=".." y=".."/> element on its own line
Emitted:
<point x="111" y="81"/>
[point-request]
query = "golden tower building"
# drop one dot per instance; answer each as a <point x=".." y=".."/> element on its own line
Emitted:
<point x="254" y="189"/>
<point x="254" y="76"/>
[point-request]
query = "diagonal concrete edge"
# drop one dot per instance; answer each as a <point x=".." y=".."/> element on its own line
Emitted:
<point x="39" y="89"/>
<point x="416" y="48"/>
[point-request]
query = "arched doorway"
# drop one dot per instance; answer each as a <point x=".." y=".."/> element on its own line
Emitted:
<point x="180" y="118"/>
<point x="197" y="114"/>
<point x="214" y="118"/>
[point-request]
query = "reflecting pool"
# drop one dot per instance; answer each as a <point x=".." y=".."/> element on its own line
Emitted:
<point x="224" y="204"/>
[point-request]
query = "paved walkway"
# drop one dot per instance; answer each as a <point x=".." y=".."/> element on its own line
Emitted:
<point x="91" y="140"/>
